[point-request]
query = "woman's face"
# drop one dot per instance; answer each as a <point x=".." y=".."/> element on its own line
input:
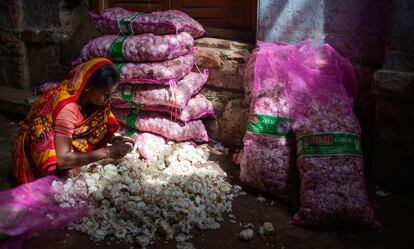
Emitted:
<point x="101" y="97"/>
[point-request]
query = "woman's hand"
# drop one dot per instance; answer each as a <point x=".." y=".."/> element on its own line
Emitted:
<point x="66" y="158"/>
<point x="119" y="150"/>
<point x="122" y="140"/>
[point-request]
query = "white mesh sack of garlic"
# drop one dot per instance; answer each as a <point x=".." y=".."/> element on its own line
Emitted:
<point x="138" y="201"/>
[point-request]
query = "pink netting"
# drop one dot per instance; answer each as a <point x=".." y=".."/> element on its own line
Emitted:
<point x="162" y="22"/>
<point x="267" y="162"/>
<point x="157" y="72"/>
<point x="42" y="204"/>
<point x="137" y="48"/>
<point x="332" y="184"/>
<point x="149" y="145"/>
<point x="44" y="87"/>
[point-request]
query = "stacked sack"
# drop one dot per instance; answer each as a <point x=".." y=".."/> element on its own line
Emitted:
<point x="154" y="54"/>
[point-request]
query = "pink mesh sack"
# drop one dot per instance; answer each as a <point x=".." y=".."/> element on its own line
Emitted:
<point x="267" y="162"/>
<point x="196" y="108"/>
<point x="137" y="48"/>
<point x="43" y="204"/>
<point x="157" y="72"/>
<point x="329" y="156"/>
<point x="149" y="145"/>
<point x="175" y="96"/>
<point x="44" y="87"/>
<point x="160" y="124"/>
<point x="344" y="67"/>
<point x="118" y="20"/>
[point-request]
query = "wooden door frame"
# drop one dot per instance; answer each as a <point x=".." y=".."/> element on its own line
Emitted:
<point x="98" y="5"/>
<point x="247" y="35"/>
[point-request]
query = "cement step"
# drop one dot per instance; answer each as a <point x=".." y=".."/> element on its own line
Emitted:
<point x="16" y="101"/>
<point x="396" y="85"/>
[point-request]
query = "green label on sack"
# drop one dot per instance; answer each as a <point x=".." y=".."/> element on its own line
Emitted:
<point x="328" y="144"/>
<point x="124" y="25"/>
<point x="118" y="67"/>
<point x="115" y="50"/>
<point x="268" y="125"/>
<point x="129" y="133"/>
<point x="127" y="93"/>
<point x="132" y="117"/>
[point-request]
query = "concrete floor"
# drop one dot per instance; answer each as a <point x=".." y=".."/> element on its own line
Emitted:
<point x="394" y="211"/>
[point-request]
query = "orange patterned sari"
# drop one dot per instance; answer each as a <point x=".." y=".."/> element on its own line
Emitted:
<point x="33" y="150"/>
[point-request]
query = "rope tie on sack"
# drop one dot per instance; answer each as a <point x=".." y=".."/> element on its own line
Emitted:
<point x="198" y="69"/>
<point x="174" y="110"/>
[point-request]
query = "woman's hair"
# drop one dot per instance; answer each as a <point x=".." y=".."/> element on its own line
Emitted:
<point x="104" y="77"/>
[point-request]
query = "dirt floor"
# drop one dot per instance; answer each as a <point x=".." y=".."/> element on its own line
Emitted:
<point x="394" y="211"/>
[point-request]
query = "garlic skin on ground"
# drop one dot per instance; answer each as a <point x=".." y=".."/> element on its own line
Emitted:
<point x="266" y="229"/>
<point x="246" y="234"/>
<point x="138" y="201"/>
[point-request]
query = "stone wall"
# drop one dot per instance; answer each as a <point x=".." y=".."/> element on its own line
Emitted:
<point x="39" y="39"/>
<point x="400" y="52"/>
<point x="394" y="92"/>
<point x="355" y="28"/>
<point x="394" y="116"/>
<point x="225" y="61"/>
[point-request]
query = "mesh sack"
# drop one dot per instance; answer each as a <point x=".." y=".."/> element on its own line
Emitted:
<point x="267" y="161"/>
<point x="160" y="124"/>
<point x="196" y="108"/>
<point x="175" y="96"/>
<point x="136" y="48"/>
<point x="156" y="72"/>
<point x="118" y="20"/>
<point x="149" y="145"/>
<point x="47" y="203"/>
<point x="344" y="66"/>
<point x="44" y="87"/>
<point x="329" y="157"/>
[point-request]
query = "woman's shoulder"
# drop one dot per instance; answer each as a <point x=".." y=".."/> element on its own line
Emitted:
<point x="71" y="112"/>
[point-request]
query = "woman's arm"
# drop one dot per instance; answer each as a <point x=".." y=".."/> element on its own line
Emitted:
<point x="66" y="158"/>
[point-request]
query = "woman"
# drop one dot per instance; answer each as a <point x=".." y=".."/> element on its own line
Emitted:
<point x="70" y="125"/>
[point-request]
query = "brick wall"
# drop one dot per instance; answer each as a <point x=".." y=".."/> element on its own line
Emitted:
<point x="39" y="39"/>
